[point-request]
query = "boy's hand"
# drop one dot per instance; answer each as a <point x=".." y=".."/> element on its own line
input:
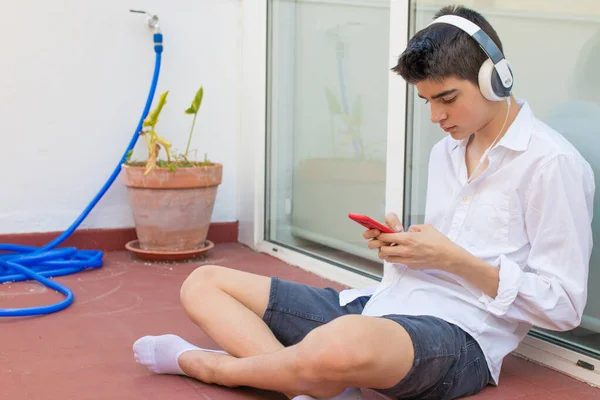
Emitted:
<point x="422" y="247"/>
<point x="392" y="221"/>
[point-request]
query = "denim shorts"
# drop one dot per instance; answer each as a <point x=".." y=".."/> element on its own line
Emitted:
<point x="448" y="362"/>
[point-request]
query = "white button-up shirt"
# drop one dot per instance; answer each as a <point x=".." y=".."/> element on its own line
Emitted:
<point x="528" y="214"/>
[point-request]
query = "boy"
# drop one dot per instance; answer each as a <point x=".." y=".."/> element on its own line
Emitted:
<point x="506" y="246"/>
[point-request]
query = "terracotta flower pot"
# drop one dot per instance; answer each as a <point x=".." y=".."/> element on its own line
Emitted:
<point x="172" y="210"/>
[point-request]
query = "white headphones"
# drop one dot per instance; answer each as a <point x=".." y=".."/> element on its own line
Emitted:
<point x="495" y="76"/>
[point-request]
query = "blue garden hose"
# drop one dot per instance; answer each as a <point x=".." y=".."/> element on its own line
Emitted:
<point x="26" y="262"/>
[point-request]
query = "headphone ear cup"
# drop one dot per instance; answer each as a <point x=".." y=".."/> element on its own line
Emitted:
<point x="488" y="78"/>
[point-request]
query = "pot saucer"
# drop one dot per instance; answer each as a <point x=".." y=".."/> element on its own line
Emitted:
<point x="162" y="255"/>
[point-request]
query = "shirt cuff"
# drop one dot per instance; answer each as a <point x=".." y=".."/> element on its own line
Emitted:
<point x="511" y="279"/>
<point x="349" y="295"/>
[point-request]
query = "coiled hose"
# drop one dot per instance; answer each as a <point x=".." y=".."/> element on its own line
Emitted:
<point x="18" y="263"/>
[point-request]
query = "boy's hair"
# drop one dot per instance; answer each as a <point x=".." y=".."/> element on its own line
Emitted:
<point x="441" y="50"/>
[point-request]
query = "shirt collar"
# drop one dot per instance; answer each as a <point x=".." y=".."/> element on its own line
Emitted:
<point x="517" y="136"/>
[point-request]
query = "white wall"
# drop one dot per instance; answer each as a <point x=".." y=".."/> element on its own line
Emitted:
<point x="74" y="77"/>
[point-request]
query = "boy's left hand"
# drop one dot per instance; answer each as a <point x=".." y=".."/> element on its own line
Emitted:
<point x="422" y="247"/>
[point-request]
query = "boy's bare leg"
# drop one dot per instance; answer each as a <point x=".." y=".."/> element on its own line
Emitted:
<point x="229" y="305"/>
<point x="351" y="351"/>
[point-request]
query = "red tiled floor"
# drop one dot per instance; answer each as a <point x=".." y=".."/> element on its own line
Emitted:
<point x="84" y="352"/>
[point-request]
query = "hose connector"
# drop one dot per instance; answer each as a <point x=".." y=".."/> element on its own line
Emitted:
<point x="152" y="21"/>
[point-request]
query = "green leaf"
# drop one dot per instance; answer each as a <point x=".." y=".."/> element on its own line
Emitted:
<point x="152" y="118"/>
<point x="172" y="167"/>
<point x="332" y="102"/>
<point x="128" y="157"/>
<point x="196" y="102"/>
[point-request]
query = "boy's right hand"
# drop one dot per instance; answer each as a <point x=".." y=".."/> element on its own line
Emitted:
<point x="392" y="221"/>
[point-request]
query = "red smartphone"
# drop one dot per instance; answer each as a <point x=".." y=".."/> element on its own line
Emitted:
<point x="370" y="223"/>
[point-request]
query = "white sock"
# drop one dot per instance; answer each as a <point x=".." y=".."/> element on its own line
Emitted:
<point x="348" y="394"/>
<point x="161" y="353"/>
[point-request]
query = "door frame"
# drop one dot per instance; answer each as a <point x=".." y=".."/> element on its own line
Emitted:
<point x="252" y="171"/>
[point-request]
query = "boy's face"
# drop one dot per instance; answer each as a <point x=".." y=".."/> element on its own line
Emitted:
<point x="456" y="105"/>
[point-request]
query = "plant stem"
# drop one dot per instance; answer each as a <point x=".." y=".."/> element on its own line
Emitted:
<point x="187" y="148"/>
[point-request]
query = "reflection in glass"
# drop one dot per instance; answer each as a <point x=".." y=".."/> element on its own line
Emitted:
<point x="328" y="79"/>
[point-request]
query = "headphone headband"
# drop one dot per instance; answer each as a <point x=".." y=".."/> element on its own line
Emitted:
<point x="485" y="42"/>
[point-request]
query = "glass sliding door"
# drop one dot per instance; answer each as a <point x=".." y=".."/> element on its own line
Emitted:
<point x="562" y="85"/>
<point x="328" y="69"/>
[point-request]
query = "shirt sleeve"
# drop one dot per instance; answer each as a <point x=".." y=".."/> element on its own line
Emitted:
<point x="551" y="290"/>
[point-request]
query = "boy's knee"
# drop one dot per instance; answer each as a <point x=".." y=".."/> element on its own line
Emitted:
<point x="198" y="281"/>
<point x="330" y="352"/>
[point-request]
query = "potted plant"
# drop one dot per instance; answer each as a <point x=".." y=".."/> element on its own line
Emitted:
<point x="171" y="200"/>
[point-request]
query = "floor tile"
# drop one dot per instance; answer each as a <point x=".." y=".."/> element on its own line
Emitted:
<point x="85" y="352"/>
